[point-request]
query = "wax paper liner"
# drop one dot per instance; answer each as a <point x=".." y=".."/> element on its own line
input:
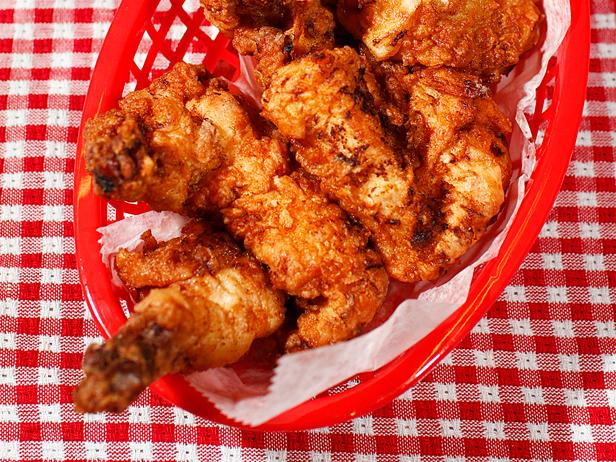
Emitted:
<point x="244" y="395"/>
<point x="126" y="234"/>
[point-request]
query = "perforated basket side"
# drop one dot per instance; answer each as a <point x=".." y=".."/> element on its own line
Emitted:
<point x="176" y="30"/>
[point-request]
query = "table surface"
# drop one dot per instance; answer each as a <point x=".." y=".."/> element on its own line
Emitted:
<point x="536" y="378"/>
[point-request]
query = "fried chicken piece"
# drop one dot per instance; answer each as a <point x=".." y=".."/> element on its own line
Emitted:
<point x="153" y="149"/>
<point x="312" y="30"/>
<point x="311" y="249"/>
<point x="329" y="104"/>
<point x="213" y="301"/>
<point x="248" y="156"/>
<point x="123" y="148"/>
<point x="274" y="32"/>
<point x="244" y="177"/>
<point x="480" y="36"/>
<point x="268" y="45"/>
<point x="462" y="136"/>
<point x="326" y="103"/>
<point x="313" y="252"/>
<point x="228" y="15"/>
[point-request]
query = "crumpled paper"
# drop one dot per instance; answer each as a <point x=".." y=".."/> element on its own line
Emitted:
<point x="126" y="234"/>
<point x="244" y="395"/>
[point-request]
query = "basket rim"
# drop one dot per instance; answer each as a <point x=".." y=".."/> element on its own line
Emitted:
<point x="377" y="389"/>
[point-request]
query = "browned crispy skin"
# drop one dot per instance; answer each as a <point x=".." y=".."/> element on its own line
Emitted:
<point x="462" y="139"/>
<point x="212" y="301"/>
<point x="316" y="254"/>
<point x="274" y="32"/>
<point x="306" y="23"/>
<point x="228" y="15"/>
<point x="311" y="29"/>
<point x="310" y="248"/>
<point x="124" y="147"/>
<point x="329" y="104"/>
<point x="481" y="36"/>
<point x="326" y="103"/>
<point x="247" y="159"/>
<point x="268" y="45"/>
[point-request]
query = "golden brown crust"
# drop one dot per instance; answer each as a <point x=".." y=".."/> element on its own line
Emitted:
<point x="269" y="47"/>
<point x="484" y="37"/>
<point x="310" y="28"/>
<point x="326" y="103"/>
<point x="228" y="15"/>
<point x="287" y="223"/>
<point x="314" y="252"/>
<point x="199" y="250"/>
<point x="329" y="104"/>
<point x="465" y="159"/>
<point x="212" y="301"/>
<point x="146" y="150"/>
<point x="244" y="177"/>
<point x="246" y="162"/>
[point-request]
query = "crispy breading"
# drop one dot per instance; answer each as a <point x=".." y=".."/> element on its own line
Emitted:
<point x="176" y="163"/>
<point x="314" y="252"/>
<point x="244" y="178"/>
<point x="123" y="147"/>
<point x="228" y="15"/>
<point x="212" y="300"/>
<point x="328" y="103"/>
<point x="463" y="145"/>
<point x="269" y="47"/>
<point x="247" y="159"/>
<point x="310" y="248"/>
<point x="274" y="34"/>
<point x="480" y="36"/>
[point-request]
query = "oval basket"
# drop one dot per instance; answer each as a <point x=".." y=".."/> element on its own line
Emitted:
<point x="146" y="36"/>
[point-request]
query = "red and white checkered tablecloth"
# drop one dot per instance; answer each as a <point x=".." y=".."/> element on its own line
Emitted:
<point x="535" y="380"/>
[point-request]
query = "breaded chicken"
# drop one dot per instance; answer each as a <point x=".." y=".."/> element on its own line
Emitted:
<point x="245" y="180"/>
<point x="314" y="252"/>
<point x="268" y="45"/>
<point x="486" y="37"/>
<point x="462" y="140"/>
<point x="209" y="302"/>
<point x="274" y="32"/>
<point x="228" y="15"/>
<point x="310" y="248"/>
<point x="154" y="149"/>
<point x="329" y="104"/>
<point x="124" y="146"/>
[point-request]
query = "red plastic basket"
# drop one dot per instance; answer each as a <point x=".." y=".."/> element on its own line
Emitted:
<point x="156" y="34"/>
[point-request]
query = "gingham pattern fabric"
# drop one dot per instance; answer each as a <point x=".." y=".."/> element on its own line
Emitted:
<point x="535" y="380"/>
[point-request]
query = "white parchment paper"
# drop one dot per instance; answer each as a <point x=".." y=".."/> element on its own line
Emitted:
<point x="246" y="396"/>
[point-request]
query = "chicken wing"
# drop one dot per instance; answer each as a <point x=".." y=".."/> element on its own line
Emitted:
<point x="311" y="249"/>
<point x="315" y="253"/>
<point x="228" y="15"/>
<point x="329" y="104"/>
<point x="124" y="146"/>
<point x="210" y="301"/>
<point x="274" y="32"/>
<point x="484" y="37"/>
<point x="461" y="136"/>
